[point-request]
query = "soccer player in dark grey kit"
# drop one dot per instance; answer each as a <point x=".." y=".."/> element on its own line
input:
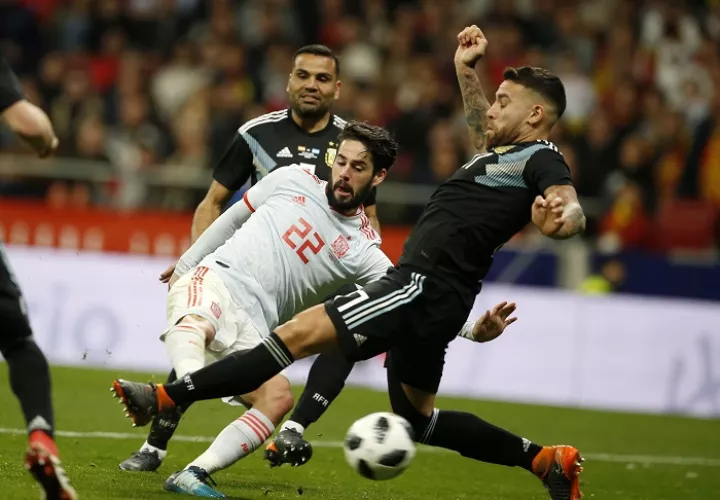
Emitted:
<point x="29" y="371"/>
<point x="417" y="308"/>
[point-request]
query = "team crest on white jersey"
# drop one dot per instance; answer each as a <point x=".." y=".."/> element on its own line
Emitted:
<point x="340" y="246"/>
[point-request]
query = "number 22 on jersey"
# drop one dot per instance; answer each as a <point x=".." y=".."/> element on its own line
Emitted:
<point x="302" y="231"/>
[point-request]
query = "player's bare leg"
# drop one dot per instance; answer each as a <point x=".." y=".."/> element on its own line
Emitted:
<point x="310" y="332"/>
<point x="269" y="405"/>
<point x="558" y="467"/>
<point x="325" y="381"/>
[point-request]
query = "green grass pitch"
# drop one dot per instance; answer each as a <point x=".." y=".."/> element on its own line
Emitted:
<point x="629" y="457"/>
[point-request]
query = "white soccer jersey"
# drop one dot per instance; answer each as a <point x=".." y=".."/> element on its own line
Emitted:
<point x="291" y="252"/>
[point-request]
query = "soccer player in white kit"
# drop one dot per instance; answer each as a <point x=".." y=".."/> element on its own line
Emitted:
<point x="292" y="241"/>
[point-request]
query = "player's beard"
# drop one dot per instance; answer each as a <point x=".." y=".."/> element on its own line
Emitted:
<point x="501" y="137"/>
<point x="352" y="203"/>
<point x="310" y="111"/>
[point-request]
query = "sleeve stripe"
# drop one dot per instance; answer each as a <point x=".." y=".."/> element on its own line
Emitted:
<point x="247" y="202"/>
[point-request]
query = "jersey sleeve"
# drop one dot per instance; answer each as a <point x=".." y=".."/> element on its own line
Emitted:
<point x="375" y="265"/>
<point x="236" y="164"/>
<point x="256" y="195"/>
<point x="10" y="88"/>
<point x="214" y="237"/>
<point x="547" y="168"/>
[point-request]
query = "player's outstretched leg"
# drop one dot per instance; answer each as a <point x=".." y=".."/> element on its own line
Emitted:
<point x="310" y="332"/>
<point x="242" y="437"/>
<point x="154" y="450"/>
<point x="30" y="381"/>
<point x="325" y="381"/>
<point x="558" y="467"/>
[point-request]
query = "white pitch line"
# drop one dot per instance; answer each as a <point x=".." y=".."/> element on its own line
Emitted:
<point x="595" y="457"/>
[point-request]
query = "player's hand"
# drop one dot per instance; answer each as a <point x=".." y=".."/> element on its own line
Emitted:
<point x="471" y="46"/>
<point x="547" y="213"/>
<point x="50" y="149"/>
<point x="173" y="279"/>
<point x="167" y="274"/>
<point x="493" y="323"/>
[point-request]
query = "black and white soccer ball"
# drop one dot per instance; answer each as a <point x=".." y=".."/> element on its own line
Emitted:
<point x="379" y="446"/>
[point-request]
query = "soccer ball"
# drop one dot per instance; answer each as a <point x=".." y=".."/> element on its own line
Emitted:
<point x="379" y="446"/>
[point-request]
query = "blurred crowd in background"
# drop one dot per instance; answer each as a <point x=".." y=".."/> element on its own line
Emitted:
<point x="137" y="83"/>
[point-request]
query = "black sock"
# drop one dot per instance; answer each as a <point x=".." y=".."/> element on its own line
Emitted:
<point x="30" y="381"/>
<point x="165" y="424"/>
<point x="325" y="381"/>
<point x="236" y="374"/>
<point x="474" y="438"/>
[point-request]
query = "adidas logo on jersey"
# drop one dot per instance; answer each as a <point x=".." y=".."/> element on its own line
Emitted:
<point x="284" y="153"/>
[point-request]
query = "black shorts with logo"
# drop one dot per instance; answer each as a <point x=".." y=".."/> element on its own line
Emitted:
<point x="409" y="314"/>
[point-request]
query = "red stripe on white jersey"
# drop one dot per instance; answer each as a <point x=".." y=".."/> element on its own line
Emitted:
<point x="195" y="289"/>
<point x="366" y="228"/>
<point x="247" y="202"/>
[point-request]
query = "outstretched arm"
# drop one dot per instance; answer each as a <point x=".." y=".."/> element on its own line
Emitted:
<point x="214" y="236"/>
<point x="491" y="324"/>
<point x="230" y="221"/>
<point x="558" y="213"/>
<point x="471" y="47"/>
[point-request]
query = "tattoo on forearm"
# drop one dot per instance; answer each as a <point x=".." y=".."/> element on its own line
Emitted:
<point x="574" y="224"/>
<point x="475" y="103"/>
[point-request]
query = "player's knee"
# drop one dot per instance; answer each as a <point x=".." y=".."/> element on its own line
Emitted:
<point x="283" y="401"/>
<point x="275" y="399"/>
<point x="197" y="324"/>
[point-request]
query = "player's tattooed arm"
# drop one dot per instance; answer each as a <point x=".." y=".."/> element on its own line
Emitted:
<point x="558" y="213"/>
<point x="475" y="104"/>
<point x="471" y="48"/>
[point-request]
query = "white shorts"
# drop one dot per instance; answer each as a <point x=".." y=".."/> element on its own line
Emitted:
<point x="201" y="292"/>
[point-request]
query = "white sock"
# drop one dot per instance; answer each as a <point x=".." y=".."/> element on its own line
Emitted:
<point x="148" y="447"/>
<point x="237" y="440"/>
<point x="185" y="347"/>
<point x="293" y="425"/>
